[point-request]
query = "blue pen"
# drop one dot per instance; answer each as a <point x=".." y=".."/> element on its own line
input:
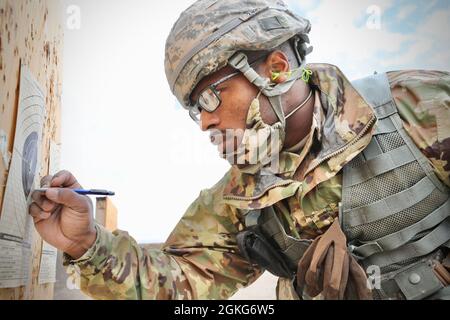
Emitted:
<point x="98" y="192"/>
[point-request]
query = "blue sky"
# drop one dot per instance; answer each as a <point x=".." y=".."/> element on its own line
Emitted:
<point x="411" y="34"/>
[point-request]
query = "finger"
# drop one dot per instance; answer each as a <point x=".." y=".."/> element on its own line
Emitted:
<point x="64" y="179"/>
<point x="42" y="201"/>
<point x="48" y="205"/>
<point x="34" y="210"/>
<point x="45" y="215"/>
<point x="38" y="196"/>
<point x="37" y="213"/>
<point x="69" y="198"/>
<point x="45" y="181"/>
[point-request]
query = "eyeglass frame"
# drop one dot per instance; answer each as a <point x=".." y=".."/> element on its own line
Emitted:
<point x="217" y="92"/>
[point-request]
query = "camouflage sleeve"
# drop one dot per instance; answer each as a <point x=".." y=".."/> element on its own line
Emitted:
<point x="198" y="261"/>
<point x="423" y="101"/>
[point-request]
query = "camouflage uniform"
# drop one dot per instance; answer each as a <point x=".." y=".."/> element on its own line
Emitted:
<point x="200" y="259"/>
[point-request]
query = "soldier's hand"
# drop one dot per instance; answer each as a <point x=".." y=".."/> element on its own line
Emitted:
<point x="62" y="217"/>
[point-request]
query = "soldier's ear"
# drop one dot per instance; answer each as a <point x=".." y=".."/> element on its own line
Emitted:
<point x="277" y="66"/>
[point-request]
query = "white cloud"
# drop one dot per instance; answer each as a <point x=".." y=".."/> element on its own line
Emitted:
<point x="431" y="41"/>
<point x="337" y="39"/>
<point x="359" y="50"/>
<point x="405" y="11"/>
<point x="438" y="21"/>
<point x="410" y="55"/>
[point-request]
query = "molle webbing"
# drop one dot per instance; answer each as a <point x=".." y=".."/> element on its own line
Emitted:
<point x="395" y="211"/>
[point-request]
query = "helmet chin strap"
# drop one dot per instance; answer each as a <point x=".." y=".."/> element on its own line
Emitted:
<point x="272" y="91"/>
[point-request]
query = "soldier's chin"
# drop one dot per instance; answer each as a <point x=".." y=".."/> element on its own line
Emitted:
<point x="227" y="149"/>
<point x="235" y="159"/>
<point x="231" y="157"/>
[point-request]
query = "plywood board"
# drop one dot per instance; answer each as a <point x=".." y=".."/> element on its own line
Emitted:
<point x="31" y="33"/>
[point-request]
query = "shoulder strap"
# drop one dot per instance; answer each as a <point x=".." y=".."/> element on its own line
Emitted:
<point x="375" y="89"/>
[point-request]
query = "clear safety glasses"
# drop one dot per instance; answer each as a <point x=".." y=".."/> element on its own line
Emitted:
<point x="208" y="99"/>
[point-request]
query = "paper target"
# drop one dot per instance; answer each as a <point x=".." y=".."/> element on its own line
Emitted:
<point x="15" y="222"/>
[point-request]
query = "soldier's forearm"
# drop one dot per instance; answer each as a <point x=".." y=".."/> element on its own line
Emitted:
<point x="115" y="267"/>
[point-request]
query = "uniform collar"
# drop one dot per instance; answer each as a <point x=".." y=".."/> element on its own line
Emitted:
<point x="340" y="118"/>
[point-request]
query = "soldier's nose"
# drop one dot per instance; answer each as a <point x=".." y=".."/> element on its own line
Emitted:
<point x="208" y="120"/>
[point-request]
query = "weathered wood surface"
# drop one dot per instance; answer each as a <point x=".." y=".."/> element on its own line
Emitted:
<point x="31" y="33"/>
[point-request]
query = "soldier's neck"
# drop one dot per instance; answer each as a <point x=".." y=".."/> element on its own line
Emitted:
<point x="299" y="124"/>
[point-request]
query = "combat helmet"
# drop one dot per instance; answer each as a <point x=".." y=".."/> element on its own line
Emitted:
<point x="213" y="33"/>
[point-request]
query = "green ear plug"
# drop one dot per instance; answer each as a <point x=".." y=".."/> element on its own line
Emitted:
<point x="306" y="74"/>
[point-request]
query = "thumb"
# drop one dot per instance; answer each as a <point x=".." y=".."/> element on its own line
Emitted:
<point x="69" y="198"/>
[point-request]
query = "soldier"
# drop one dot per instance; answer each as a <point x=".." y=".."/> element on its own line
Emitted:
<point x="345" y="180"/>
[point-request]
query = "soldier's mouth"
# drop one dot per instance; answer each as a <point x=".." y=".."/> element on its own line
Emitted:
<point x="216" y="139"/>
<point x="224" y="144"/>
